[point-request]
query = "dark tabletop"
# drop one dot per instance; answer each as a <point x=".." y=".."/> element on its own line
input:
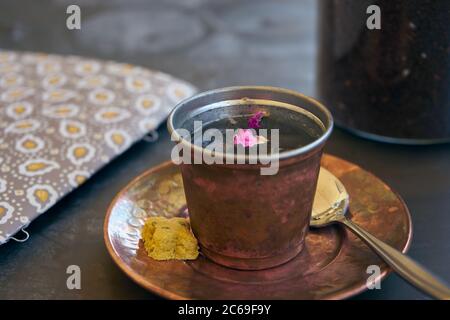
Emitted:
<point x="211" y="44"/>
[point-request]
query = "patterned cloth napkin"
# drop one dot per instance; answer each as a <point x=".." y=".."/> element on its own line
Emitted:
<point x="64" y="117"/>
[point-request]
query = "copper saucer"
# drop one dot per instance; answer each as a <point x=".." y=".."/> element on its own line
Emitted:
<point x="332" y="266"/>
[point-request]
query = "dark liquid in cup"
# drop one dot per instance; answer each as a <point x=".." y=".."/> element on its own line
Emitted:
<point x="296" y="129"/>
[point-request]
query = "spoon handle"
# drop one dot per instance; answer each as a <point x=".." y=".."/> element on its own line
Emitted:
<point x="407" y="268"/>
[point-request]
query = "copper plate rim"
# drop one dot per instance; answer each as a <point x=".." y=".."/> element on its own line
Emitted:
<point x="342" y="294"/>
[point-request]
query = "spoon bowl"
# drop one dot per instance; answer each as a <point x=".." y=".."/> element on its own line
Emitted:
<point x="330" y="202"/>
<point x="330" y="206"/>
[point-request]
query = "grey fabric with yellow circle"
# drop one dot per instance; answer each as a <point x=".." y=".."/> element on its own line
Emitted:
<point x="62" y="118"/>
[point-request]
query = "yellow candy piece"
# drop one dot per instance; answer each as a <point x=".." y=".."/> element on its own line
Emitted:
<point x="169" y="239"/>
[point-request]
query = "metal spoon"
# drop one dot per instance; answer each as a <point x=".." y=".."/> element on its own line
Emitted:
<point x="330" y="206"/>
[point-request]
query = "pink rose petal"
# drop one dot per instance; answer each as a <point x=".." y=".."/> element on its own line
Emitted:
<point x="255" y="121"/>
<point x="245" y="138"/>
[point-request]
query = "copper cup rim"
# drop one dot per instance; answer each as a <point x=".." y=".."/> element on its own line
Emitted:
<point x="328" y="126"/>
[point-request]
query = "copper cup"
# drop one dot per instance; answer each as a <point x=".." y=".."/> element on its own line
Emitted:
<point x="242" y="219"/>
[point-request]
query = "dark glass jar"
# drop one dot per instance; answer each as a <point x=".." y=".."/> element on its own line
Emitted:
<point x="391" y="84"/>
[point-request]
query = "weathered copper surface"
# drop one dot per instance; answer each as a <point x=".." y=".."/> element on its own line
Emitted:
<point x="248" y="221"/>
<point x="241" y="218"/>
<point x="332" y="265"/>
